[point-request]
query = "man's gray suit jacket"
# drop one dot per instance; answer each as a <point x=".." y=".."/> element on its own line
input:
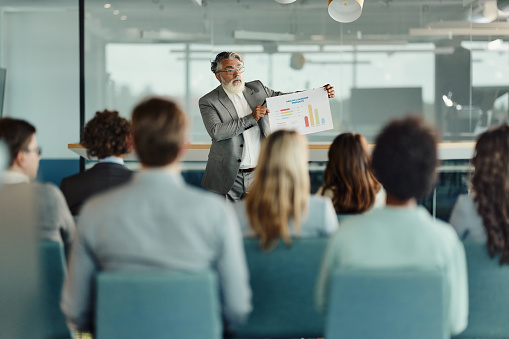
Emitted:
<point x="225" y="128"/>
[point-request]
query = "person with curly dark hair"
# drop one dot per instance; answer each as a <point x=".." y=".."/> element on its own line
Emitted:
<point x="108" y="137"/>
<point x="483" y="215"/>
<point x="402" y="234"/>
<point x="348" y="178"/>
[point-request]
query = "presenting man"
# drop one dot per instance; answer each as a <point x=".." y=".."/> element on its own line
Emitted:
<point x="233" y="115"/>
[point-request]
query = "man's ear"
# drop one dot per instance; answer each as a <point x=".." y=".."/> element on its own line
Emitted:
<point x="218" y="76"/>
<point x="184" y="149"/>
<point x="19" y="161"/>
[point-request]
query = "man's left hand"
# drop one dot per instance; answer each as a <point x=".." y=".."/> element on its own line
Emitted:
<point x="330" y="90"/>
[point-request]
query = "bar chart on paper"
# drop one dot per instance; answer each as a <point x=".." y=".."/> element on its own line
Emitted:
<point x="307" y="112"/>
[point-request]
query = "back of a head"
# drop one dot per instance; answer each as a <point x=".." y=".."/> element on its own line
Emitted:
<point x="405" y="158"/>
<point x="16" y="134"/>
<point x="107" y="134"/>
<point x="349" y="174"/>
<point x="159" y="131"/>
<point x="490" y="184"/>
<point x="281" y="186"/>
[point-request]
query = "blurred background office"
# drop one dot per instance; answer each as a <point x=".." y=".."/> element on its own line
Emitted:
<point x="446" y="60"/>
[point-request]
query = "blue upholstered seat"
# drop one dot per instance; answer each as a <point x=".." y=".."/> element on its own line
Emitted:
<point x="283" y="284"/>
<point x="157" y="305"/>
<point x="395" y="304"/>
<point x="488" y="288"/>
<point x="53" y="270"/>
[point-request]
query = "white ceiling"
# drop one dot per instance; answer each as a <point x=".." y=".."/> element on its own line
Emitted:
<point x="303" y="22"/>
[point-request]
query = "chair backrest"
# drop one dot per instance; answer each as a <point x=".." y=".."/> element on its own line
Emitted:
<point x="369" y="304"/>
<point x="53" y="270"/>
<point x="283" y="284"/>
<point x="157" y="305"/>
<point x="488" y="288"/>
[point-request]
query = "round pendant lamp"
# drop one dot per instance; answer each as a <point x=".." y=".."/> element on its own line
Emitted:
<point x="345" y="10"/>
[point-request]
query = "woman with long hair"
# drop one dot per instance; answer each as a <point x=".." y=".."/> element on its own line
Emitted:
<point x="348" y="178"/>
<point x="483" y="215"/>
<point x="279" y="204"/>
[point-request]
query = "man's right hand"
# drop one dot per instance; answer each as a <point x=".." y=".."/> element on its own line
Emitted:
<point x="260" y="112"/>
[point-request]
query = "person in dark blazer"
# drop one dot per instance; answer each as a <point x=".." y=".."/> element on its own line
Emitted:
<point x="108" y="137"/>
<point x="233" y="114"/>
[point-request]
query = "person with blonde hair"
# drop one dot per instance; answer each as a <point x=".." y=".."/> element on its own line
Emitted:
<point x="279" y="204"/>
<point x="348" y="178"/>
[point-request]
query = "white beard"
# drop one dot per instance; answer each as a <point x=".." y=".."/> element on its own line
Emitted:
<point x="230" y="87"/>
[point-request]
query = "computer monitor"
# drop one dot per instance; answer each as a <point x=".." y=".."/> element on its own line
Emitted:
<point x="3" y="73"/>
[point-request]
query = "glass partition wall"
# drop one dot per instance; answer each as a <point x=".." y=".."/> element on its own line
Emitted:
<point x="445" y="60"/>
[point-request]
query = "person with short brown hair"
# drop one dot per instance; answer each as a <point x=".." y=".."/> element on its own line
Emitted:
<point x="54" y="221"/>
<point x="156" y="221"/>
<point x="158" y="135"/>
<point x="107" y="136"/>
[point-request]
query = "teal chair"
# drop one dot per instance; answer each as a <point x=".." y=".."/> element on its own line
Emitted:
<point x="393" y="304"/>
<point x="283" y="284"/>
<point x="53" y="270"/>
<point x="157" y="305"/>
<point x="488" y="288"/>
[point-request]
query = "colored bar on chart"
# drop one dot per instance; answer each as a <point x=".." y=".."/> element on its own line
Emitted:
<point x="306" y="121"/>
<point x="311" y="115"/>
<point x="285" y="109"/>
<point x="323" y="121"/>
<point x="316" y="116"/>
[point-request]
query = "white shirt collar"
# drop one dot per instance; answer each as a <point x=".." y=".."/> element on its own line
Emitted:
<point x="12" y="177"/>
<point x="114" y="160"/>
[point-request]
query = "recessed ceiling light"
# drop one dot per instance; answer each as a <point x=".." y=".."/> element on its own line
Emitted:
<point x="123" y="17"/>
<point x="107" y="5"/>
<point x="116" y="12"/>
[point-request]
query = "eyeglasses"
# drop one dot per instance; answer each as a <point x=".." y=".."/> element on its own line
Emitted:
<point x="37" y="150"/>
<point x="231" y="71"/>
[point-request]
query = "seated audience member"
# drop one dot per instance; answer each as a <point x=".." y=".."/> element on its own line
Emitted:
<point x="156" y="221"/>
<point x="278" y="204"/>
<point x="54" y="221"/>
<point x="402" y="234"/>
<point x="348" y="178"/>
<point x="107" y="137"/>
<point x="483" y="216"/>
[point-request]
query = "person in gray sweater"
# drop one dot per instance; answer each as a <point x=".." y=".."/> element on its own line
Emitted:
<point x="54" y="220"/>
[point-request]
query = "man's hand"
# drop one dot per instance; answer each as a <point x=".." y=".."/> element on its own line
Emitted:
<point x="260" y="112"/>
<point x="330" y="90"/>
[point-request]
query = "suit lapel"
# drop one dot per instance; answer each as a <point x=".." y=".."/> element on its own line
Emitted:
<point x="250" y="98"/>
<point x="226" y="102"/>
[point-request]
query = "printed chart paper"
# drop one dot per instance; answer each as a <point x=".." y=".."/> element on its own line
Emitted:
<point x="307" y="112"/>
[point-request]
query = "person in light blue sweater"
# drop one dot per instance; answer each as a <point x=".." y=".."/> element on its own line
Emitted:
<point x="402" y="234"/>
